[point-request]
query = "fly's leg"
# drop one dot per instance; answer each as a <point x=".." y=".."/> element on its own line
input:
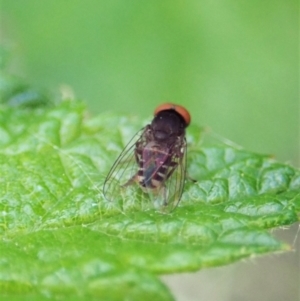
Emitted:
<point x="130" y="181"/>
<point x="165" y="195"/>
<point x="188" y="177"/>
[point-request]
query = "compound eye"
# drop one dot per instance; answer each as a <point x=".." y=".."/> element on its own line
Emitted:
<point x="183" y="112"/>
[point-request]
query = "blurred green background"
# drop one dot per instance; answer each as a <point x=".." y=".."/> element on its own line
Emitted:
<point x="234" y="64"/>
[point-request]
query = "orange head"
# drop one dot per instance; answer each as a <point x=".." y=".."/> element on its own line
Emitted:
<point x="183" y="112"/>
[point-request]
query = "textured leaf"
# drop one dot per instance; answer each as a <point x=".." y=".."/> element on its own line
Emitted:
<point x="62" y="239"/>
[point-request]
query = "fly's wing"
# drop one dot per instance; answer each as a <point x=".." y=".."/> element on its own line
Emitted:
<point x="170" y="192"/>
<point x="123" y="170"/>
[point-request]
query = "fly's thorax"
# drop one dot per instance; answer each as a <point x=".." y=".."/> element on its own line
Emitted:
<point x="167" y="126"/>
<point x="155" y="146"/>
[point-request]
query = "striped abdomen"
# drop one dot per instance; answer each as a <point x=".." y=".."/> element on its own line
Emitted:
<point x="154" y="166"/>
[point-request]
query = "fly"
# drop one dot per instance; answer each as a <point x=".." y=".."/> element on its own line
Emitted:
<point x="154" y="159"/>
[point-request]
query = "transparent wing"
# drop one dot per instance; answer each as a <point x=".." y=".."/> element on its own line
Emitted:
<point x="170" y="192"/>
<point x="123" y="170"/>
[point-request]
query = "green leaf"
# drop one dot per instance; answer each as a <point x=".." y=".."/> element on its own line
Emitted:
<point x="62" y="240"/>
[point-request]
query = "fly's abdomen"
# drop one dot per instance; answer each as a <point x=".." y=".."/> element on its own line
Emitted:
<point x="153" y="170"/>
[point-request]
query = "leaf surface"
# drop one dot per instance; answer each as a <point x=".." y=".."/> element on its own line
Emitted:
<point x="62" y="239"/>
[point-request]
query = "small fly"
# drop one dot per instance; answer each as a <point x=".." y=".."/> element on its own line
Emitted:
<point x="154" y="159"/>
